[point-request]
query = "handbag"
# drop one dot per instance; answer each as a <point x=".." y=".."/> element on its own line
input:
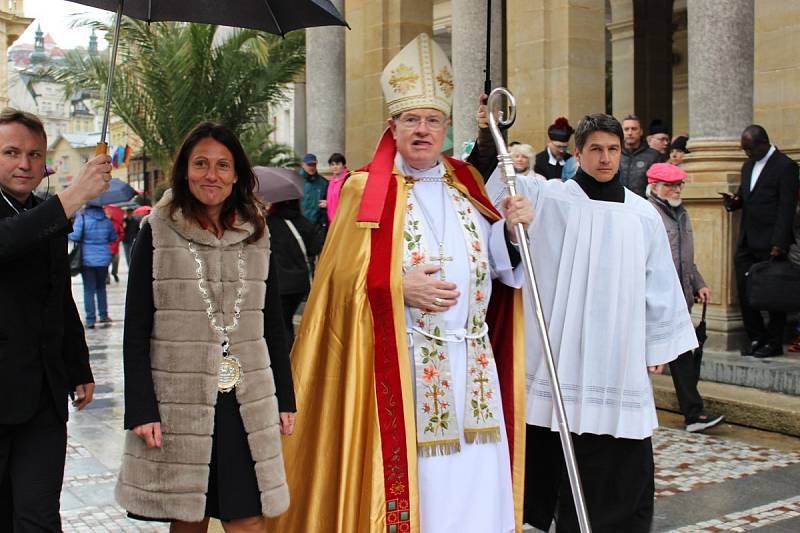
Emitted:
<point x="773" y="285"/>
<point x="75" y="259"/>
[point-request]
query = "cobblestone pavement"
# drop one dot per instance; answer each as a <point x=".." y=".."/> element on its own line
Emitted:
<point x="732" y="479"/>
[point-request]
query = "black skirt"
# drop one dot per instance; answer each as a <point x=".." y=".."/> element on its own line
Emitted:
<point x="232" y="486"/>
<point x="617" y="476"/>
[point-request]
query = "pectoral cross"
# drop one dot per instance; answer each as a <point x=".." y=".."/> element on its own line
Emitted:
<point x="441" y="258"/>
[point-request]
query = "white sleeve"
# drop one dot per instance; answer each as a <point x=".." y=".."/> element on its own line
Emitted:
<point x="669" y="331"/>
<point x="499" y="261"/>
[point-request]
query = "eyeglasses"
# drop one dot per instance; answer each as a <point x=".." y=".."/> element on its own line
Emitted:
<point x="413" y="122"/>
<point x="676" y="185"/>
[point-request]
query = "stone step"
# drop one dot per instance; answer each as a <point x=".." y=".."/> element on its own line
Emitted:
<point x="774" y="374"/>
<point x="770" y="411"/>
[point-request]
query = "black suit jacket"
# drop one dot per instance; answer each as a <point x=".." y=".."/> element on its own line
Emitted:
<point x="768" y="210"/>
<point x="42" y="341"/>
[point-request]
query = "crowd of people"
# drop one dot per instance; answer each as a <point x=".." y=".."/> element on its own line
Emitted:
<point x="417" y="371"/>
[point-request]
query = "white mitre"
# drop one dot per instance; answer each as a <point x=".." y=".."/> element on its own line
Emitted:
<point x="420" y="76"/>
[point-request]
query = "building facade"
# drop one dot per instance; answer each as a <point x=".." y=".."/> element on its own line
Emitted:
<point x="706" y="67"/>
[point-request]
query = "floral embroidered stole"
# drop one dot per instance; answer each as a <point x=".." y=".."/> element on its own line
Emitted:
<point x="437" y="424"/>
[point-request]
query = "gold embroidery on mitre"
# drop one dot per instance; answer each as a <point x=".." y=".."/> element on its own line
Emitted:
<point x="403" y="79"/>
<point x="445" y="81"/>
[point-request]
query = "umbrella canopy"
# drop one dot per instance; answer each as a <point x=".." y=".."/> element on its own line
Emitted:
<point x="118" y="192"/>
<point x="278" y="184"/>
<point x="142" y="210"/>
<point x="272" y="16"/>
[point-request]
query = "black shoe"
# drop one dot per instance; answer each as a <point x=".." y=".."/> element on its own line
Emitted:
<point x="703" y="422"/>
<point x="105" y="320"/>
<point x="768" y="350"/>
<point x="116" y="278"/>
<point x="751" y="348"/>
<point x="89" y="326"/>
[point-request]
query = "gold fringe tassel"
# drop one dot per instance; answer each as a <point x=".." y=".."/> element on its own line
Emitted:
<point x="432" y="449"/>
<point x="482" y="436"/>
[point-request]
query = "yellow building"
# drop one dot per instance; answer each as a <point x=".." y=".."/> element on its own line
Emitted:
<point x="66" y="154"/>
<point x="706" y="67"/>
<point x="12" y="25"/>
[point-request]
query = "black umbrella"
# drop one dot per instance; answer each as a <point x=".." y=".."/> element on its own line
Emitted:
<point x="700" y="332"/>
<point x="272" y="16"/>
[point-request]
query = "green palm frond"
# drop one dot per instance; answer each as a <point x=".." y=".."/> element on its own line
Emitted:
<point x="170" y="76"/>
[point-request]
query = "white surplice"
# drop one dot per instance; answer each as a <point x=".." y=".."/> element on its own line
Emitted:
<point x="469" y="491"/>
<point x="612" y="303"/>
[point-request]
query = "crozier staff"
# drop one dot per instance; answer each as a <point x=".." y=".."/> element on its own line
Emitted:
<point x="203" y="340"/>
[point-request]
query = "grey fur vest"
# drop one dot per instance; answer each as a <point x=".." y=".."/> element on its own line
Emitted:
<point x="171" y="482"/>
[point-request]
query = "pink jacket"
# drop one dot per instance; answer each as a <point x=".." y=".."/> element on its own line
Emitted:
<point x="334" y="188"/>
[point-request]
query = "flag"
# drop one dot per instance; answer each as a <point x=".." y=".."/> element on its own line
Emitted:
<point x="127" y="155"/>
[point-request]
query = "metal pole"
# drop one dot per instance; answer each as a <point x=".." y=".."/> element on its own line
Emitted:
<point x="509" y="174"/>
<point x="102" y="146"/>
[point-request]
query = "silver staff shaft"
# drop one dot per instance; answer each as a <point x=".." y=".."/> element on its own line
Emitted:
<point x="510" y="176"/>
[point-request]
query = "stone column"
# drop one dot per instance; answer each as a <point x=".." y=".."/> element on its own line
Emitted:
<point x="622" y="54"/>
<point x="325" y="90"/>
<point x="720" y="107"/>
<point x="469" y="63"/>
<point x="556" y="66"/>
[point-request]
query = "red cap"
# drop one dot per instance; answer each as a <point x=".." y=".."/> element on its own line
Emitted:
<point x="664" y="172"/>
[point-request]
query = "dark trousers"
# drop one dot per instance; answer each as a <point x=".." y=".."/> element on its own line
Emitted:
<point x="127" y="247"/>
<point x="752" y="319"/>
<point x="685" y="375"/>
<point x="617" y="476"/>
<point x="290" y="303"/>
<point x="32" y="458"/>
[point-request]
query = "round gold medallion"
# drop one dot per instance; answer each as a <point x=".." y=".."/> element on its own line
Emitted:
<point x="230" y="373"/>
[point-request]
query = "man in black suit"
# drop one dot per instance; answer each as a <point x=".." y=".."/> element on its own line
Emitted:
<point x="767" y="197"/>
<point x="43" y="353"/>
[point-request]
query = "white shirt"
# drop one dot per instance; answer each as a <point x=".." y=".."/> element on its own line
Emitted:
<point x="759" y="165"/>
<point x="613" y="306"/>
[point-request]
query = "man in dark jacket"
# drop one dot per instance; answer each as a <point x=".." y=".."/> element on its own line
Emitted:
<point x="664" y="191"/>
<point x="767" y="197"/>
<point x="636" y="156"/>
<point x="43" y="353"/>
<point x="132" y="224"/>
<point x="555" y="161"/>
<point x="315" y="189"/>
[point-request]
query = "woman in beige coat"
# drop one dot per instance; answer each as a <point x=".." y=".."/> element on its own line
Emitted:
<point x="208" y="386"/>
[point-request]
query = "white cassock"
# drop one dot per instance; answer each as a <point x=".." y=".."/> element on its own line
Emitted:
<point x="612" y="302"/>
<point x="469" y="491"/>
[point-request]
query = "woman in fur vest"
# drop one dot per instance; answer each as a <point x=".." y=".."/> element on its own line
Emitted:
<point x="208" y="386"/>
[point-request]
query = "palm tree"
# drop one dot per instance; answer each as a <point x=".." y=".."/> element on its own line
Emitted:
<point x="170" y="76"/>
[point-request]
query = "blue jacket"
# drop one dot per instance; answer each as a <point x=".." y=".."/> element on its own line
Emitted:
<point x="96" y="232"/>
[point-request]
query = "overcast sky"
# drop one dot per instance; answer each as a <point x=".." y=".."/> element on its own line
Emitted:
<point x="56" y="16"/>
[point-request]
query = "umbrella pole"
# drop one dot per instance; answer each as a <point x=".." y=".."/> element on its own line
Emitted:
<point x="102" y="146"/>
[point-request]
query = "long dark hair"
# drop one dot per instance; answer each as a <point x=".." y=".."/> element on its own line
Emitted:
<point x="241" y="201"/>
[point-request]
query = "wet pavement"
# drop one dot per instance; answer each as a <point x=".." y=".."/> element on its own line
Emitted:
<point x="730" y="479"/>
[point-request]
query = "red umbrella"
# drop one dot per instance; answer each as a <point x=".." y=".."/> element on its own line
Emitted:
<point x="142" y="210"/>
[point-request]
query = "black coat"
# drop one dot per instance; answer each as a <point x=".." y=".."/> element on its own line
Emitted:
<point x="289" y="257"/>
<point x="768" y="210"/>
<point x="542" y="165"/>
<point x="41" y="336"/>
